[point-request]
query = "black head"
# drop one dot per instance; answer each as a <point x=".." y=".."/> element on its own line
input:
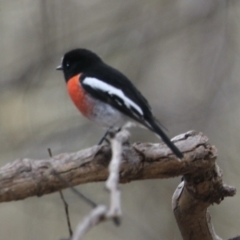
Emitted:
<point x="77" y="61"/>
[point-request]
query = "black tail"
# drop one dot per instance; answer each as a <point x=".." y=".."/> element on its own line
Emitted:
<point x="155" y="128"/>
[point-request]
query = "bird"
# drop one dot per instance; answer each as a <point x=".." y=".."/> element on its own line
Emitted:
<point x="106" y="96"/>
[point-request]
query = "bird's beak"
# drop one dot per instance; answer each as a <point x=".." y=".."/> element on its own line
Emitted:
<point x="59" y="67"/>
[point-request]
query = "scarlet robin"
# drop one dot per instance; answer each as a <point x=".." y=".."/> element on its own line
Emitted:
<point x="105" y="95"/>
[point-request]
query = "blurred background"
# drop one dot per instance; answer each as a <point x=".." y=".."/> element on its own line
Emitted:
<point x="184" y="57"/>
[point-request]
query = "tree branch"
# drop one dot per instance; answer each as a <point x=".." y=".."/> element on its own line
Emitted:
<point x="202" y="185"/>
<point x="27" y="177"/>
<point x="192" y="198"/>
<point x="192" y="215"/>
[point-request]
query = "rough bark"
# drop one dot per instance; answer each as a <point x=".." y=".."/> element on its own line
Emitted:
<point x="28" y="177"/>
<point x="202" y="183"/>
<point x="191" y="201"/>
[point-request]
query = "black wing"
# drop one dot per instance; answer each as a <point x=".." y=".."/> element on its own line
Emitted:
<point x="116" y="89"/>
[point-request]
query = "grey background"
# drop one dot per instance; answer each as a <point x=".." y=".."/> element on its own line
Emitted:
<point x="183" y="55"/>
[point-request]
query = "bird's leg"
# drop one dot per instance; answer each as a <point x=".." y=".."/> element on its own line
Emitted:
<point x="104" y="137"/>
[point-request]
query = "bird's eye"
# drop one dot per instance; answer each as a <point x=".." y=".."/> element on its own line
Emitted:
<point x="67" y="65"/>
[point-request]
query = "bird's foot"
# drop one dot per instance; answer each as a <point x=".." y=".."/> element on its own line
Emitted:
<point x="110" y="132"/>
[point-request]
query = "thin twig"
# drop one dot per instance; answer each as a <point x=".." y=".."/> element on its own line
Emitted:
<point x="113" y="179"/>
<point x="74" y="190"/>
<point x="65" y="204"/>
<point x="101" y="212"/>
<point x="91" y="220"/>
<point x="67" y="214"/>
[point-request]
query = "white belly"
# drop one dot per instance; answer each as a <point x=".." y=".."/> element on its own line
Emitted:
<point x="105" y="115"/>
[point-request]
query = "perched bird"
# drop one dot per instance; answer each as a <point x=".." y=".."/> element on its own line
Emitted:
<point x="105" y="95"/>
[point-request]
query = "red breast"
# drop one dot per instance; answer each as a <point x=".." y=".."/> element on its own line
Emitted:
<point x="78" y="95"/>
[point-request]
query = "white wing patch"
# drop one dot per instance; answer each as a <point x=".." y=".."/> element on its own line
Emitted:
<point x="98" y="84"/>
